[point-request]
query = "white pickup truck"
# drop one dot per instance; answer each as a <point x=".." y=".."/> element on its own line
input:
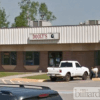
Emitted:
<point x="67" y="70"/>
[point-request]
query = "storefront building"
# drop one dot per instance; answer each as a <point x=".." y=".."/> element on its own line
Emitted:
<point x="34" y="49"/>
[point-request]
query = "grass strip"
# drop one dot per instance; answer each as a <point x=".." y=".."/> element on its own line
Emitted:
<point x="43" y="76"/>
<point x="4" y="74"/>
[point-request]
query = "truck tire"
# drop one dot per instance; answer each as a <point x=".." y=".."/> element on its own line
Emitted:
<point x="53" y="78"/>
<point x="67" y="77"/>
<point x="84" y="77"/>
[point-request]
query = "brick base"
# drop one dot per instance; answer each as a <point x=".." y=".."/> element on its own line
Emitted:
<point x="20" y="62"/>
<point x="85" y="58"/>
<point x="43" y="61"/>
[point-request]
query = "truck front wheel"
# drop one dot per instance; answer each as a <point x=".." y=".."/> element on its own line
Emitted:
<point x="84" y="77"/>
<point x="67" y="77"/>
<point x="53" y="78"/>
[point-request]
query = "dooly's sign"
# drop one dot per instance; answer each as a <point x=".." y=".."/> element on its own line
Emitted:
<point x="44" y="36"/>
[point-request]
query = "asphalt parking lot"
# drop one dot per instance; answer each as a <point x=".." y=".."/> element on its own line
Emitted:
<point x="65" y="89"/>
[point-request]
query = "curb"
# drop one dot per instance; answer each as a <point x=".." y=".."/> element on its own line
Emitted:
<point x="95" y="79"/>
<point x="28" y="80"/>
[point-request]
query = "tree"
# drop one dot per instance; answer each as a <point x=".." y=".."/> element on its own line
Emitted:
<point x="30" y="11"/>
<point x="20" y="21"/>
<point x="45" y="13"/>
<point x="3" y="19"/>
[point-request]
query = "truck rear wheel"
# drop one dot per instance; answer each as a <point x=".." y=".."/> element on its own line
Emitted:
<point x="84" y="77"/>
<point x="67" y="77"/>
<point x="53" y="78"/>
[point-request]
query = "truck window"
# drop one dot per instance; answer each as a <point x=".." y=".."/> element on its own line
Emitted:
<point x="66" y="64"/>
<point x="77" y="65"/>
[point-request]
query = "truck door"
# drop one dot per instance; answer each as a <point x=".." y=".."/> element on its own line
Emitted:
<point x="78" y="70"/>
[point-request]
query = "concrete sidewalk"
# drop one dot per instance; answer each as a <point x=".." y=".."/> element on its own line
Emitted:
<point x="23" y="75"/>
<point x="27" y="80"/>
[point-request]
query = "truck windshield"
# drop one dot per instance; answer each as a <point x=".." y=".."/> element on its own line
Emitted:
<point x="66" y="64"/>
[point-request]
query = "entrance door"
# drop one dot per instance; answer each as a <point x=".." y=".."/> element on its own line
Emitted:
<point x="55" y="58"/>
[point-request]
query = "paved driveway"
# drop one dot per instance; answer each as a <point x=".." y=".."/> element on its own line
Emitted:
<point x="65" y="89"/>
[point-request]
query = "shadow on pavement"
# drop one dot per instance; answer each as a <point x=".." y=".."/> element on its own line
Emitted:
<point x="61" y="80"/>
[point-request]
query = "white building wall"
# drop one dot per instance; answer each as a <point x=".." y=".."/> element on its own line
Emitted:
<point x="68" y="34"/>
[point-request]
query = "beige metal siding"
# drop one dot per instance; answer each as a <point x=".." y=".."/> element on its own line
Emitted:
<point x="68" y="34"/>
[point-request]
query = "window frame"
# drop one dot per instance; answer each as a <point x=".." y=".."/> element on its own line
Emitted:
<point x="55" y="52"/>
<point x="10" y="61"/>
<point x="33" y="58"/>
<point x="67" y="63"/>
<point x="78" y="66"/>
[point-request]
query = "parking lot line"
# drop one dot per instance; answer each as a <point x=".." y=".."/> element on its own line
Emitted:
<point x="12" y="82"/>
<point x="4" y="81"/>
<point x="19" y="81"/>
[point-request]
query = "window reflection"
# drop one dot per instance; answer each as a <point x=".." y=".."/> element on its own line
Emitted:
<point x="55" y="58"/>
<point x="31" y="58"/>
<point x="9" y="58"/>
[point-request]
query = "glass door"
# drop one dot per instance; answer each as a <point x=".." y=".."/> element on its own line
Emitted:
<point x="55" y="58"/>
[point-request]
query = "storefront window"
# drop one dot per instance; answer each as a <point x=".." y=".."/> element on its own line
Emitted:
<point x="36" y="58"/>
<point x="31" y="58"/>
<point x="9" y="58"/>
<point x="97" y="58"/>
<point x="13" y="56"/>
<point x="55" y="58"/>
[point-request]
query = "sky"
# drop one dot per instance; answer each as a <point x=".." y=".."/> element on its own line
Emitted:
<point x="68" y="12"/>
